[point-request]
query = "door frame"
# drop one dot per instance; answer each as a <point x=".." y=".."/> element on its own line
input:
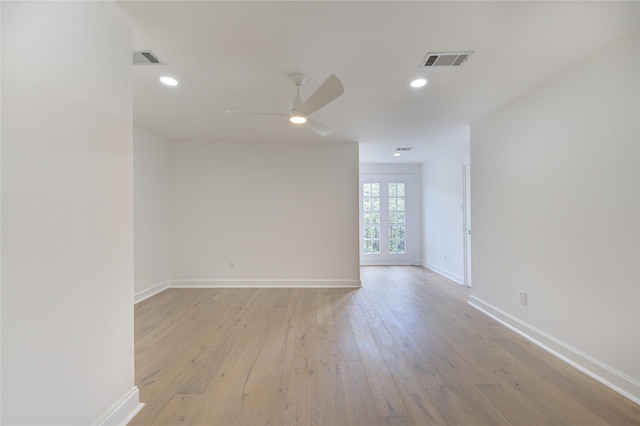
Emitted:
<point x="412" y="217"/>
<point x="466" y="221"/>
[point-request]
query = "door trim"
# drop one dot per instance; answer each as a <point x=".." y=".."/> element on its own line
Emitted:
<point x="466" y="213"/>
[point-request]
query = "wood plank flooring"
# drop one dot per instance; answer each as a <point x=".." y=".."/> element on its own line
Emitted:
<point x="405" y="349"/>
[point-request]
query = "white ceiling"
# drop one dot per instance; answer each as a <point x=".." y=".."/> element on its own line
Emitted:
<point x="237" y="55"/>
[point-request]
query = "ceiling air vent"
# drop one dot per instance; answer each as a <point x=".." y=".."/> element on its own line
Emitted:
<point x="145" y="57"/>
<point x="445" y="59"/>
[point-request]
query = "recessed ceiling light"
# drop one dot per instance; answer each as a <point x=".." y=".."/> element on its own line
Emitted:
<point x="419" y="82"/>
<point x="396" y="154"/>
<point x="297" y="119"/>
<point x="169" y="81"/>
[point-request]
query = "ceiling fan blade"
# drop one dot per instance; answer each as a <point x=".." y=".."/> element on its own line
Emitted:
<point x="319" y="128"/>
<point x="327" y="92"/>
<point x="229" y="111"/>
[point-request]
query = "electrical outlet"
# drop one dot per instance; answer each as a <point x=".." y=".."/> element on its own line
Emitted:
<point x="523" y="297"/>
<point x="445" y="257"/>
<point x="232" y="265"/>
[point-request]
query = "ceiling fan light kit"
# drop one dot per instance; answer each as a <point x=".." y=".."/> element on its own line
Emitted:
<point x="300" y="111"/>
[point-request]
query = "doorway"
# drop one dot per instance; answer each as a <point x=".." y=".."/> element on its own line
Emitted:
<point x="386" y="220"/>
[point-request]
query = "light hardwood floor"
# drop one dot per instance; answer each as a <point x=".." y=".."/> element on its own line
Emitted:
<point x="405" y="349"/>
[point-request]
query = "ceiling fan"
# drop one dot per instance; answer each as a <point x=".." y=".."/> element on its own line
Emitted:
<point x="299" y="111"/>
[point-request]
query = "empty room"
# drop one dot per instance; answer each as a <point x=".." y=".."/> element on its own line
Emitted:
<point x="320" y="213"/>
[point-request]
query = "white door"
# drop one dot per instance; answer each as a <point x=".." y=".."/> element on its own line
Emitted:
<point x="386" y="220"/>
<point x="467" y="224"/>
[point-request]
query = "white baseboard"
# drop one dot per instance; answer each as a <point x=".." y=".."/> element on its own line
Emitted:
<point x="122" y="411"/>
<point x="610" y="377"/>
<point x="448" y="274"/>
<point x="283" y="283"/>
<point x="151" y="291"/>
<point x="209" y="283"/>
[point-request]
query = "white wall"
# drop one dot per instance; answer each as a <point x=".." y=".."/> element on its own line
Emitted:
<point x="443" y="196"/>
<point x="264" y="213"/>
<point x="555" y="178"/>
<point x="151" y="212"/>
<point x="67" y="215"/>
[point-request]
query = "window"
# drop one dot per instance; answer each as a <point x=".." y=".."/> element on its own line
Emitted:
<point x="371" y="218"/>
<point x="385" y="220"/>
<point x="397" y="219"/>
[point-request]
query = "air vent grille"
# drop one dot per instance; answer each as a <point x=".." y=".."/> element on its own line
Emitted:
<point x="445" y="59"/>
<point x="406" y="148"/>
<point x="145" y="57"/>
